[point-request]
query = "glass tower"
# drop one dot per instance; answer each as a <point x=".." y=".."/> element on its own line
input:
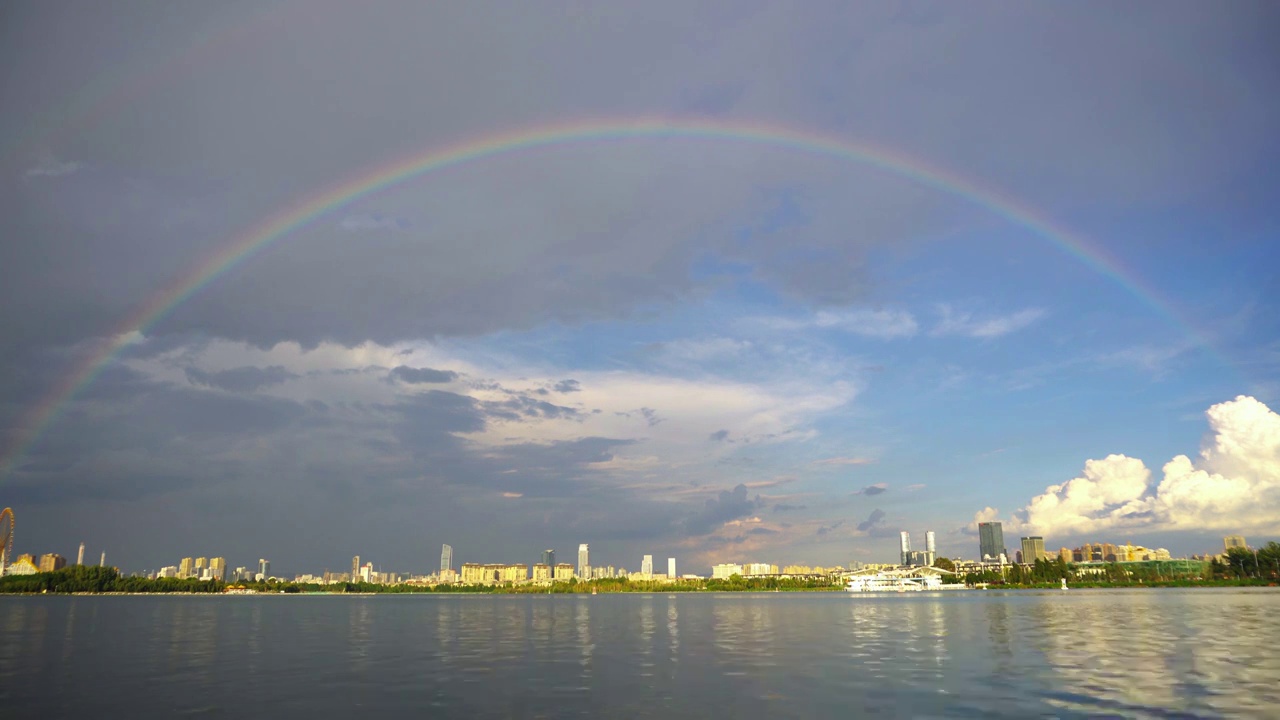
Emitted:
<point x="446" y="557"/>
<point x="990" y="540"/>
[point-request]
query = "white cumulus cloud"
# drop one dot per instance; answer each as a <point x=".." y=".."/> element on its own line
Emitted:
<point x="1233" y="485"/>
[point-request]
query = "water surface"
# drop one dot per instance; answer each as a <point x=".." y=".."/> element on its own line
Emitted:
<point x="1141" y="653"/>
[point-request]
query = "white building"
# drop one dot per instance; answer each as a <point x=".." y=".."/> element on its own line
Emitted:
<point x="725" y="570"/>
<point x="584" y="561"/>
<point x="671" y="568"/>
<point x="646" y="566"/>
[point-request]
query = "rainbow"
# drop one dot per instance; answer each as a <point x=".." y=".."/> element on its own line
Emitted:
<point x="308" y="210"/>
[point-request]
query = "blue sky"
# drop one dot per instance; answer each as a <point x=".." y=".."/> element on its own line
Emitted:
<point x="702" y="348"/>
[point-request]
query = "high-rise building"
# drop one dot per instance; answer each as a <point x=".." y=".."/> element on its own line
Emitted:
<point x="218" y="569"/>
<point x="52" y="561"/>
<point x="102" y="561"/>
<point x="584" y="562"/>
<point x="646" y="566"/>
<point x="906" y="548"/>
<point x="1032" y="549"/>
<point x="201" y="564"/>
<point x="563" y="572"/>
<point x="1234" y="541"/>
<point x="671" y="568"/>
<point x="355" y="569"/>
<point x="1065" y="555"/>
<point x="990" y="541"/>
<point x="446" y="557"/>
<point x="186" y="567"/>
<point x="80" y="555"/>
<point x="549" y="558"/>
<point x="930" y="548"/>
<point x="264" y="568"/>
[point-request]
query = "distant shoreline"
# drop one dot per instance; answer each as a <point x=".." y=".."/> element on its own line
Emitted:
<point x="505" y="592"/>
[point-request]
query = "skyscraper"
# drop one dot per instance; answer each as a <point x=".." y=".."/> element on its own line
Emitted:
<point x="549" y="558"/>
<point x="355" y="569"/>
<point x="584" y="562"/>
<point x="264" y="567"/>
<point x="906" y="548"/>
<point x="185" y="567"/>
<point x="930" y="548"/>
<point x="646" y="566"/>
<point x="102" y="561"/>
<point x="671" y="568"/>
<point x="80" y="556"/>
<point x="1234" y="541"/>
<point x="990" y="540"/>
<point x="218" y="568"/>
<point x="446" y="557"/>
<point x="1032" y="549"/>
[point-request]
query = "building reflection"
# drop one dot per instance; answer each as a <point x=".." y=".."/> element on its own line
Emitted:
<point x="359" y="627"/>
<point x="582" y="623"/>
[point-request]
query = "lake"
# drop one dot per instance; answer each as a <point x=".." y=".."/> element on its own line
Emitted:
<point x="1079" y="653"/>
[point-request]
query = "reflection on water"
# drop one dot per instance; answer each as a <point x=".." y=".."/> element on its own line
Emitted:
<point x="990" y="654"/>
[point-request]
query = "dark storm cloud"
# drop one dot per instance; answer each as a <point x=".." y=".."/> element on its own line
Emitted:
<point x="136" y="144"/>
<point x="730" y="505"/>
<point x="438" y="413"/>
<point x="407" y="374"/>
<point x="562" y="455"/>
<point x="241" y="379"/>
<point x="112" y="223"/>
<point x="719" y="436"/>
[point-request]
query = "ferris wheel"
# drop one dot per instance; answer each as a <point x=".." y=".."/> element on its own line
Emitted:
<point x="6" y="537"/>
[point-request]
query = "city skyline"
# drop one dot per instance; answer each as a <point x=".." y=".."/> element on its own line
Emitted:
<point x="258" y="298"/>
<point x="1089" y="551"/>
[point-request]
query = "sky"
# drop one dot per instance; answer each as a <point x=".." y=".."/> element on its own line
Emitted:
<point x="724" y="282"/>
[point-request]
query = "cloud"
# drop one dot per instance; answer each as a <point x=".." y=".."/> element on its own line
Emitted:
<point x="49" y="166"/>
<point x="828" y="528"/>
<point x="520" y="406"/>
<point x="512" y="495"/>
<point x="568" y="386"/>
<point x="885" y="324"/>
<point x="241" y="379"/>
<point x="1234" y="485"/>
<point x="874" y="522"/>
<point x="783" y="507"/>
<point x="729" y="506"/>
<point x="375" y="221"/>
<point x="407" y="374"/>
<point x="953" y="322"/>
<point x="719" y="436"/>
<point x="875" y="489"/>
<point x="844" y="461"/>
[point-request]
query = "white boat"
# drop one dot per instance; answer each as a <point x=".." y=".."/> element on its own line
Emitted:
<point x="911" y="580"/>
